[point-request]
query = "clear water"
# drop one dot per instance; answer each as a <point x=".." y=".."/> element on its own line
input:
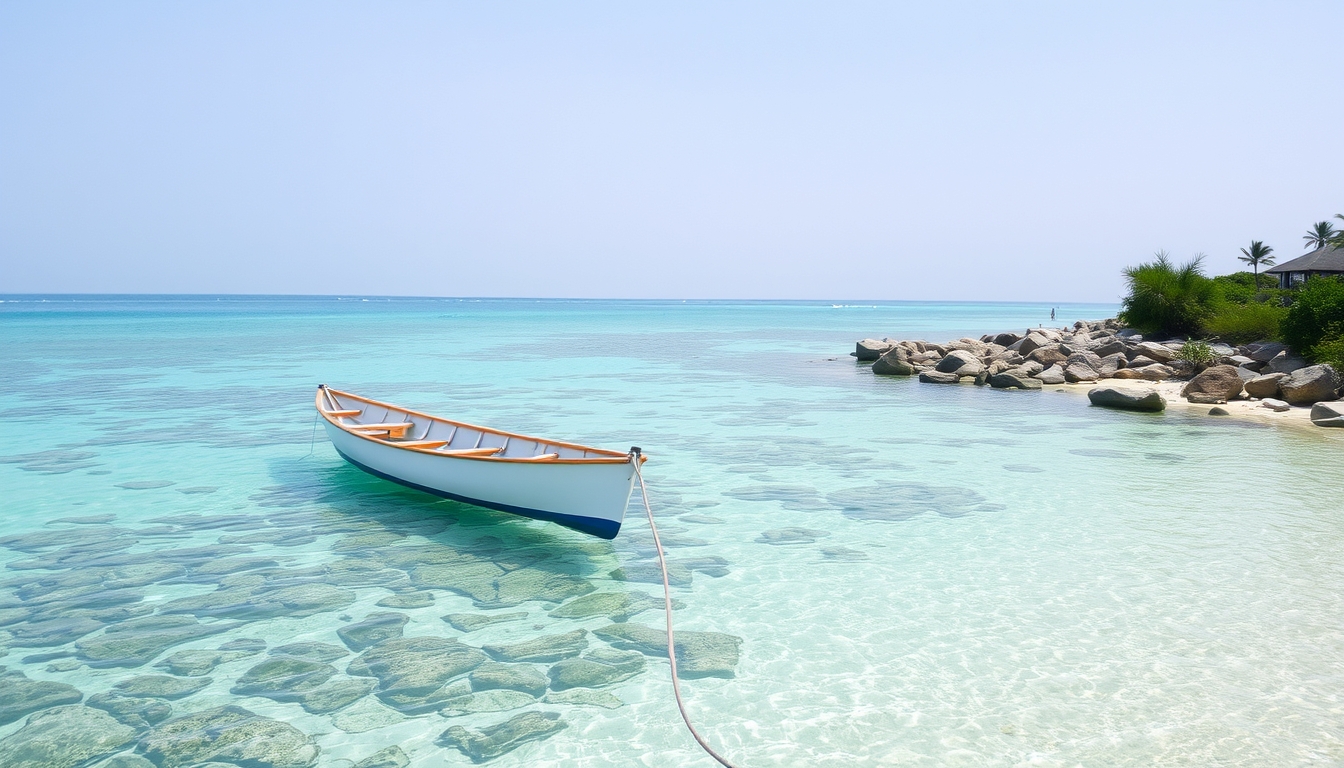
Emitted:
<point x="985" y="578"/>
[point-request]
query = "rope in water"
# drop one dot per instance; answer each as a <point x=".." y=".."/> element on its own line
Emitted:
<point x="667" y="605"/>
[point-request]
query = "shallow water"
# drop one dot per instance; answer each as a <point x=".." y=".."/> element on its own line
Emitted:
<point x="918" y="575"/>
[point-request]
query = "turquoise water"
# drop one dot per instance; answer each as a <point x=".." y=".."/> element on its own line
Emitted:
<point x="896" y="573"/>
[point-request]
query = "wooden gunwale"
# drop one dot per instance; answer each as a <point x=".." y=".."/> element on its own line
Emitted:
<point x="616" y="457"/>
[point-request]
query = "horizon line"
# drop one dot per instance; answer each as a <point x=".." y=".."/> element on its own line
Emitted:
<point x="339" y="296"/>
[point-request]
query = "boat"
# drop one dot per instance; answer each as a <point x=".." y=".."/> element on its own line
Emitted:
<point x="576" y="486"/>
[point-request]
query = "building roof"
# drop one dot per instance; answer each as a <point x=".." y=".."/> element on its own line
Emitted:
<point x="1327" y="259"/>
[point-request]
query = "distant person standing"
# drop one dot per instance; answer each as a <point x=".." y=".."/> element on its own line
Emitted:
<point x="1052" y="313"/>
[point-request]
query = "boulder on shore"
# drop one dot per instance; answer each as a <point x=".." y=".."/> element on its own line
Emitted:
<point x="937" y="377"/>
<point x="895" y="362"/>
<point x="1285" y="363"/>
<point x="1014" y="380"/>
<point x="871" y="349"/>
<point x="1265" y="386"/>
<point x="1323" y="415"/>
<point x="1278" y="406"/>
<point x="1080" y="372"/>
<point x="1312" y="384"/>
<point x="960" y="362"/>
<point x="1217" y="384"/>
<point x="1052" y="375"/>
<point x="1136" y="399"/>
<point x="1155" y="351"/>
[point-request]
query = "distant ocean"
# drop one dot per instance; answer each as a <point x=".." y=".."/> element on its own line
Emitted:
<point x="910" y="574"/>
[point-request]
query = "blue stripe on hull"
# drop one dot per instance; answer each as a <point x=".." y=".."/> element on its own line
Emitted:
<point x="603" y="529"/>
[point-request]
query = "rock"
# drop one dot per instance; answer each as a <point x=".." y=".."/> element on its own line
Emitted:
<point x="392" y="757"/>
<point x="283" y="678"/>
<point x="584" y="697"/>
<point x="616" y="606"/>
<point x="894" y="363"/>
<point x="1284" y="363"/>
<point x="871" y="349"/>
<point x="1014" y="380"/>
<point x="366" y="715"/>
<point x="64" y="737"/>
<point x="125" y="760"/>
<point x="249" y="644"/>
<point x="1264" y="351"/>
<point x="161" y="686"/>
<point x="1216" y="411"/>
<point x="1112" y="347"/>
<point x="229" y="735"/>
<point x="495" y="740"/>
<point x="486" y="701"/>
<point x="19" y="696"/>
<point x="374" y="629"/>
<point x="1274" y="405"/>
<point x="44" y="634"/>
<point x="1110" y="364"/>
<point x="293" y="601"/>
<point x="136" y="642"/>
<point x="1155" y="351"/>
<point x="336" y="694"/>
<point x="1323" y="415"/>
<point x="490" y="586"/>
<point x="934" y="377"/>
<point x="1006" y="339"/>
<point x="311" y="651"/>
<point x="1217" y="384"/>
<point x="1312" y="384"/>
<point x="1182" y="369"/>
<point x="1241" y="361"/>
<point x="957" y="361"/>
<point x="1265" y="386"/>
<point x="470" y="622"/>
<point x="130" y="710"/>
<point x="1080" y="372"/>
<point x="596" y="668"/>
<point x="412" y="671"/>
<point x="791" y="535"/>
<point x="407" y="600"/>
<point x="1052" y="375"/>
<point x="699" y="654"/>
<point x="1155" y="372"/>
<point x="491" y="675"/>
<point x="1128" y="374"/>
<point x="194" y="663"/>
<point x="1127" y="399"/>
<point x="552" y="648"/>
<point x="1033" y="341"/>
<point x="1140" y="361"/>
<point x="678" y="575"/>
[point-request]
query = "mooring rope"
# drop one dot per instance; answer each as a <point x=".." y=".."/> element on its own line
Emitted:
<point x="667" y="606"/>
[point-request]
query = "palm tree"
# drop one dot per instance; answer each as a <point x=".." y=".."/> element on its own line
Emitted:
<point x="1319" y="235"/>
<point x="1337" y="239"/>
<point x="1257" y="255"/>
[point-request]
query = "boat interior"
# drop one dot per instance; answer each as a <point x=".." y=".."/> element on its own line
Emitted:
<point x="405" y="428"/>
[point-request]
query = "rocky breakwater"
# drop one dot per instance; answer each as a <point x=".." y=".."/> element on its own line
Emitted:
<point x="1267" y="374"/>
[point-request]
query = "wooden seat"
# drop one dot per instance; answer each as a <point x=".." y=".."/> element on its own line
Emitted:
<point x="342" y="414"/>
<point x="472" y="451"/>
<point x="392" y="430"/>
<point x="541" y="457"/>
<point x="421" y="443"/>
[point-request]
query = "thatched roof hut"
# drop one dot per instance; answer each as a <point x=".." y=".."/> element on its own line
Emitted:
<point x="1322" y="261"/>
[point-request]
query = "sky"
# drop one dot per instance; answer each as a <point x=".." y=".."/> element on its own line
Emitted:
<point x="762" y="150"/>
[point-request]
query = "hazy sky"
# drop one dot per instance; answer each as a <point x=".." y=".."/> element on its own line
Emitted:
<point x="996" y="151"/>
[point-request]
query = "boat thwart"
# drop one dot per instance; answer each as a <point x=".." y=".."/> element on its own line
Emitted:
<point x="579" y="487"/>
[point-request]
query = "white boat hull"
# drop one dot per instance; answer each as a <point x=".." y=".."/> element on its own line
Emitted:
<point x="588" y="497"/>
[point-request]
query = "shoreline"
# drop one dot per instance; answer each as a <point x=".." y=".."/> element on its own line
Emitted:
<point x="1103" y="354"/>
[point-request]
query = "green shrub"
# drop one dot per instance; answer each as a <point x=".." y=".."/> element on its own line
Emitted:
<point x="1242" y="323"/>
<point x="1240" y="287"/>
<point x="1164" y="298"/>
<point x="1197" y="352"/>
<point x="1317" y="315"/>
<point x="1330" y="351"/>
